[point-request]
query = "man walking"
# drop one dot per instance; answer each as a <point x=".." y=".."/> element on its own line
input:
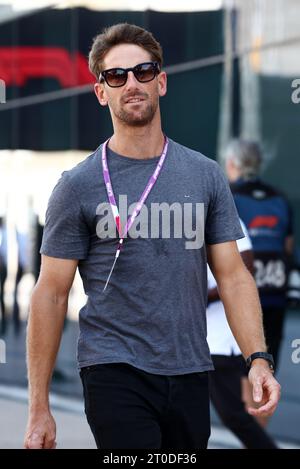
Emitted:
<point x="142" y="349"/>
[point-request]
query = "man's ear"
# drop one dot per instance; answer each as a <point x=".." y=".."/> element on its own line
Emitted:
<point x="162" y="83"/>
<point x="100" y="93"/>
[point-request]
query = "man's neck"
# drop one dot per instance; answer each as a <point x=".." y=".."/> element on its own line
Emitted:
<point x="139" y="143"/>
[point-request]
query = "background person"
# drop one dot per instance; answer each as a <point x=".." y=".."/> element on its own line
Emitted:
<point x="268" y="217"/>
<point x="225" y="383"/>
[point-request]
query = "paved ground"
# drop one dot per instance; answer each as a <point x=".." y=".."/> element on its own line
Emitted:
<point x="72" y="428"/>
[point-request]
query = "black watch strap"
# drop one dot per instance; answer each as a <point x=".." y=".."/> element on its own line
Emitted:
<point x="263" y="355"/>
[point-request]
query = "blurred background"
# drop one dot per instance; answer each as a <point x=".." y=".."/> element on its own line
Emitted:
<point x="233" y="71"/>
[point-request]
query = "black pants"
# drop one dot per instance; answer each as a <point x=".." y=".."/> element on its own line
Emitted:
<point x="273" y="320"/>
<point x="130" y="408"/>
<point x="226" y="396"/>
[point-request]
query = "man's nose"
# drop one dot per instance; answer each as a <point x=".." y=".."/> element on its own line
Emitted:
<point x="131" y="80"/>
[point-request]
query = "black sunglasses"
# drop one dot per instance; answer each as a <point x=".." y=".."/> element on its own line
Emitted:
<point x="116" y="77"/>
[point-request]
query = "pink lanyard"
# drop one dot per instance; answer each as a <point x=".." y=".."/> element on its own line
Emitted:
<point x="137" y="209"/>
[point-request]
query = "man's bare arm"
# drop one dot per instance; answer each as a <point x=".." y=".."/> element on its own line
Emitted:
<point x="239" y="295"/>
<point x="240" y="298"/>
<point x="48" y="308"/>
<point x="247" y="256"/>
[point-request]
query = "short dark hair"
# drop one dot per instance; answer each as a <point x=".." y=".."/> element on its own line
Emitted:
<point x="122" y="33"/>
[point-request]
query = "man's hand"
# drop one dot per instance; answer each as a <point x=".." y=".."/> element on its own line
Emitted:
<point x="48" y="309"/>
<point x="40" y="432"/>
<point x="266" y="390"/>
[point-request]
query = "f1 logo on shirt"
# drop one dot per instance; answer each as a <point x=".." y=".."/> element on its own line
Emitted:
<point x="264" y="221"/>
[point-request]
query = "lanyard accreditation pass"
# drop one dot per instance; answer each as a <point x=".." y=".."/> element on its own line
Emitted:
<point x="137" y="209"/>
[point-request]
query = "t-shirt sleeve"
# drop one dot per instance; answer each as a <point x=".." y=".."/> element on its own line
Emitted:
<point x="222" y="221"/>
<point x="66" y="233"/>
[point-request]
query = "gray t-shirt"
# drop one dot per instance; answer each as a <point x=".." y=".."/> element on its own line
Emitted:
<point x="153" y="313"/>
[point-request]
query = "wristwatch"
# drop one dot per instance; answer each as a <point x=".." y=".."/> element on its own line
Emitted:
<point x="265" y="356"/>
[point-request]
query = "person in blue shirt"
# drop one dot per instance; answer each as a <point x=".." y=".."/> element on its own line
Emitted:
<point x="267" y="215"/>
